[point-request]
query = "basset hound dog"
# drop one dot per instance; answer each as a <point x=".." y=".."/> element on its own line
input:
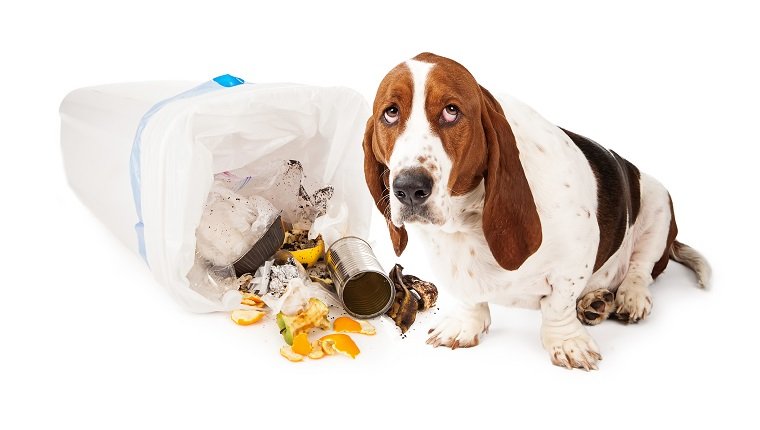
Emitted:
<point x="518" y="211"/>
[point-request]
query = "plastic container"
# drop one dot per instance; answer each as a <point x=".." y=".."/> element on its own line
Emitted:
<point x="170" y="138"/>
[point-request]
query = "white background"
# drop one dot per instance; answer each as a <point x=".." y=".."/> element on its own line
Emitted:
<point x="88" y="339"/>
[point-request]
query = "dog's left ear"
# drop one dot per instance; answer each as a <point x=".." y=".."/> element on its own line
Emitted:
<point x="377" y="177"/>
<point x="510" y="220"/>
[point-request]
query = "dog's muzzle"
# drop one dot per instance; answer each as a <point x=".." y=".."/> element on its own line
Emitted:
<point x="412" y="187"/>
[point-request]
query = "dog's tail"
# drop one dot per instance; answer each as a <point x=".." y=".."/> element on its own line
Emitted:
<point x="692" y="259"/>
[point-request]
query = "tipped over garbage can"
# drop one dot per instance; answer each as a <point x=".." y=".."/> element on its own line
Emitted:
<point x="147" y="158"/>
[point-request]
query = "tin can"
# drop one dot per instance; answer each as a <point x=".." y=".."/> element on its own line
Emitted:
<point x="262" y="250"/>
<point x="362" y="287"/>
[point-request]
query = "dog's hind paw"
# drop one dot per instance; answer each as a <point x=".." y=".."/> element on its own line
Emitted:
<point x="633" y="305"/>
<point x="595" y="307"/>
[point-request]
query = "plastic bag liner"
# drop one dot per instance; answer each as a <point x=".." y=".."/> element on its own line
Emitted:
<point x="180" y="134"/>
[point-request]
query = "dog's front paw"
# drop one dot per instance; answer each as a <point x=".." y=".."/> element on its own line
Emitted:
<point x="461" y="329"/>
<point x="579" y="351"/>
<point x="633" y="304"/>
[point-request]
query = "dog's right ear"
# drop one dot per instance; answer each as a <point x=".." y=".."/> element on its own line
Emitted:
<point x="377" y="177"/>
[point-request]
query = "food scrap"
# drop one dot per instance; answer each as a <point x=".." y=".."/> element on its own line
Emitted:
<point x="246" y="316"/>
<point x="306" y="251"/>
<point x="319" y="273"/>
<point x="301" y="344"/>
<point x="339" y="343"/>
<point x="292" y="283"/>
<point x="316" y="351"/>
<point x="412" y="295"/>
<point x="244" y="282"/>
<point x="314" y="315"/>
<point x="287" y="352"/>
<point x="350" y="325"/>
<point x="250" y="299"/>
<point x="331" y="344"/>
<point x="295" y="332"/>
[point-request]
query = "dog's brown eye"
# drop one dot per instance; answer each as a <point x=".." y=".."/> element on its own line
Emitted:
<point x="391" y="115"/>
<point x="449" y="114"/>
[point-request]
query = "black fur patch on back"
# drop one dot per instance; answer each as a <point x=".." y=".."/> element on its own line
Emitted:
<point x="618" y="194"/>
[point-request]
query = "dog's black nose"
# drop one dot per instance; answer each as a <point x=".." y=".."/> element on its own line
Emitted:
<point x="412" y="186"/>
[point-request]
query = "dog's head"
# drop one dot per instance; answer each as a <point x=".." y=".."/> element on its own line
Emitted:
<point x="433" y="136"/>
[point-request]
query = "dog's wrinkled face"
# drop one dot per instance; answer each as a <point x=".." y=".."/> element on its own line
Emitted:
<point x="428" y="134"/>
<point x="435" y="135"/>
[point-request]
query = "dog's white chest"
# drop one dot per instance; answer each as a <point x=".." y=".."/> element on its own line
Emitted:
<point x="468" y="271"/>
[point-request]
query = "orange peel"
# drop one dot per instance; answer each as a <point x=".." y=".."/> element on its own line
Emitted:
<point x="246" y="316"/>
<point x="288" y="353"/>
<point x="339" y="343"/>
<point x="301" y="344"/>
<point x="316" y="351"/>
<point x="350" y="325"/>
<point x="250" y="299"/>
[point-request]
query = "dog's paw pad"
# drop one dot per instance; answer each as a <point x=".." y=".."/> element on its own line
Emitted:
<point x="595" y="307"/>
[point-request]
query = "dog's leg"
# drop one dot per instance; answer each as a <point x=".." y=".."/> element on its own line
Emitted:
<point x="562" y="334"/>
<point x="461" y="328"/>
<point x="633" y="300"/>
<point x="654" y="231"/>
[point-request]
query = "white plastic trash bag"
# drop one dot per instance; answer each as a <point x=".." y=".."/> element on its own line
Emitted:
<point x="179" y="135"/>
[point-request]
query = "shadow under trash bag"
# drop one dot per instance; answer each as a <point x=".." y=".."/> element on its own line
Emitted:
<point x="208" y="181"/>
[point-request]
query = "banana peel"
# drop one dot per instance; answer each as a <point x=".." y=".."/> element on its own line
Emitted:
<point x="412" y="295"/>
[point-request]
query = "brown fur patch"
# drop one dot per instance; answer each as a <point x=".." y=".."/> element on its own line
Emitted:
<point x="450" y="83"/>
<point x="482" y="146"/>
<point x="396" y="89"/>
<point x="510" y="218"/>
<point x="618" y="195"/>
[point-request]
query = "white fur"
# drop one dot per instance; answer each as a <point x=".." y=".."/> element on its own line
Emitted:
<point x="695" y="261"/>
<point x="554" y="277"/>
<point x="417" y="140"/>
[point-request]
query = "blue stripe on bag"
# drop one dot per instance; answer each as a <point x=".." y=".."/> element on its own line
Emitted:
<point x="220" y="82"/>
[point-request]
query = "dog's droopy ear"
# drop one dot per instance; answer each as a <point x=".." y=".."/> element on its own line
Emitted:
<point x="510" y="219"/>
<point x="377" y="177"/>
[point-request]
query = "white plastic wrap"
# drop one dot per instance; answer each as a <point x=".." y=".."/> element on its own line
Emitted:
<point x="189" y="140"/>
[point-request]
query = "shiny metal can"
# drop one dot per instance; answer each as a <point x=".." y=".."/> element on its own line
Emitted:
<point x="362" y="287"/>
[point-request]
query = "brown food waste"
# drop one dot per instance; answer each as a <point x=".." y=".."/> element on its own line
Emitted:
<point x="412" y="295"/>
<point x="296" y="240"/>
